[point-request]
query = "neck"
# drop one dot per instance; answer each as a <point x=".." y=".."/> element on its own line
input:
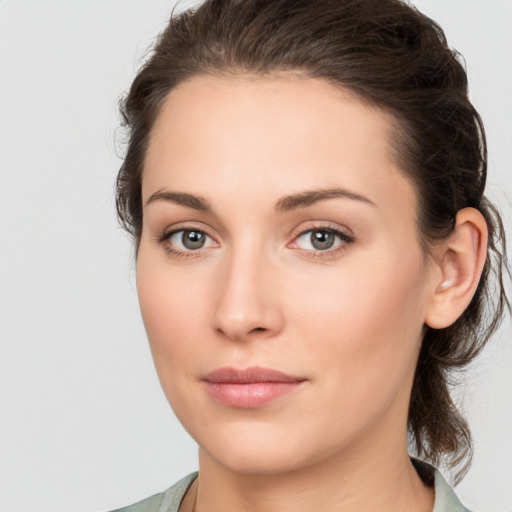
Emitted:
<point x="380" y="479"/>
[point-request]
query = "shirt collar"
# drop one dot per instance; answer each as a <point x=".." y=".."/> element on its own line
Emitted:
<point x="446" y="500"/>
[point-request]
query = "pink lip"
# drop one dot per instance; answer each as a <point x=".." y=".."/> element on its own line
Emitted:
<point x="249" y="388"/>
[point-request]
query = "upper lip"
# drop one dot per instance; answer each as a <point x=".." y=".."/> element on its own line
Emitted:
<point x="249" y="375"/>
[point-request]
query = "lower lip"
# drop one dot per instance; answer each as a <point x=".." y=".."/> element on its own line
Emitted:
<point x="249" y="395"/>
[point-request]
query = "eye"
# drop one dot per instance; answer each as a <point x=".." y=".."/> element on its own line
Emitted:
<point x="188" y="240"/>
<point x="322" y="239"/>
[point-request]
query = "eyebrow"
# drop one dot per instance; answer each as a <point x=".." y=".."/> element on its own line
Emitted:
<point x="309" y="197"/>
<point x="181" y="198"/>
<point x="285" y="204"/>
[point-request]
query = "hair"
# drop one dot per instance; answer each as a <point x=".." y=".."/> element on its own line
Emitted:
<point x="394" y="57"/>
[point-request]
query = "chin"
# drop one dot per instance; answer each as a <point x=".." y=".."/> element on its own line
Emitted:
<point x="262" y="449"/>
<point x="258" y="462"/>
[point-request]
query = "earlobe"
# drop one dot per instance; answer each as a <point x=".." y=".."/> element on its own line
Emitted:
<point x="459" y="263"/>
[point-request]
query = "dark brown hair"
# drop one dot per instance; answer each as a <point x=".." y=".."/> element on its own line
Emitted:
<point x="396" y="58"/>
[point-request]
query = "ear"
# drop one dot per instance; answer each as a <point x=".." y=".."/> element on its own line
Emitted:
<point x="458" y="264"/>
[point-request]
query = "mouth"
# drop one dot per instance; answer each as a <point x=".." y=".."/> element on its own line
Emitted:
<point x="251" y="387"/>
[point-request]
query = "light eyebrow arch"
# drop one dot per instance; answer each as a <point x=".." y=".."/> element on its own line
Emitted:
<point x="181" y="198"/>
<point x="309" y="197"/>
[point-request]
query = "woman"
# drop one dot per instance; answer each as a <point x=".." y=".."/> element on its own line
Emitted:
<point x="304" y="182"/>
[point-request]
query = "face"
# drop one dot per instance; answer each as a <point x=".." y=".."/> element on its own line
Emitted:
<point x="280" y="275"/>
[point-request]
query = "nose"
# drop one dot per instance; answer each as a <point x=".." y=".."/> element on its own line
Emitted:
<point x="247" y="302"/>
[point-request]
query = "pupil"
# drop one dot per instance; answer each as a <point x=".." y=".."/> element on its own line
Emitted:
<point x="193" y="239"/>
<point x="322" y="240"/>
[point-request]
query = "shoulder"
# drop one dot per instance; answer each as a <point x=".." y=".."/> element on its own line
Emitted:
<point x="167" y="501"/>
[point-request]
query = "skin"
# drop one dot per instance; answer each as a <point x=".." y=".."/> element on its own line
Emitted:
<point x="348" y="320"/>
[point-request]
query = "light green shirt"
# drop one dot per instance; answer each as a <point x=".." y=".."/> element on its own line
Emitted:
<point x="170" y="500"/>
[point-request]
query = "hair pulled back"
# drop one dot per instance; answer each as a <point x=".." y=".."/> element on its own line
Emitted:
<point x="396" y="58"/>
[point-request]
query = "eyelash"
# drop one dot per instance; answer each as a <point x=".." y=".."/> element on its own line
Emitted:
<point x="345" y="240"/>
<point x="166" y="236"/>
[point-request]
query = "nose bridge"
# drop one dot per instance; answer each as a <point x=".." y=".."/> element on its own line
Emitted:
<point x="246" y="303"/>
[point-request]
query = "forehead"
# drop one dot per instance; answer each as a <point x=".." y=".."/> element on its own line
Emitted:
<point x="288" y="133"/>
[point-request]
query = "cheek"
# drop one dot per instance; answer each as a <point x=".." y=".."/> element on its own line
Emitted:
<point x="171" y="308"/>
<point x="173" y="311"/>
<point x="366" y="317"/>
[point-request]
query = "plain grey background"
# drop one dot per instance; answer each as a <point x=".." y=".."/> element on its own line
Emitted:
<point x="83" y="423"/>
